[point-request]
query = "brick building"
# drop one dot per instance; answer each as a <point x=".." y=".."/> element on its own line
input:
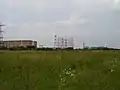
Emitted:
<point x="19" y="43"/>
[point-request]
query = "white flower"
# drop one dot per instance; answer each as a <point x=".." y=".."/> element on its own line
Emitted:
<point x="79" y="73"/>
<point x="112" y="70"/>
<point x="72" y="74"/>
<point x="69" y="69"/>
<point x="68" y="72"/>
<point x="62" y="80"/>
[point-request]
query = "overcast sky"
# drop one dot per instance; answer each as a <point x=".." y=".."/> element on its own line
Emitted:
<point x="95" y="22"/>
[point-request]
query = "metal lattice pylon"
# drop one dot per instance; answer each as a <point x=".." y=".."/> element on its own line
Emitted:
<point x="1" y="35"/>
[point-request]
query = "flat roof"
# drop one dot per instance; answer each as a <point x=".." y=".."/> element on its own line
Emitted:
<point x="17" y="40"/>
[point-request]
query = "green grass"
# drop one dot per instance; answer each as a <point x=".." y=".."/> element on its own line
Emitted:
<point x="60" y="70"/>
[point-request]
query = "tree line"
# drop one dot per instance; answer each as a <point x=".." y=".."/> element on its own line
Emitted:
<point x="51" y="49"/>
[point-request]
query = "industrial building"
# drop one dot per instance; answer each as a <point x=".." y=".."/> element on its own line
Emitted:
<point x="63" y="42"/>
<point x="19" y="43"/>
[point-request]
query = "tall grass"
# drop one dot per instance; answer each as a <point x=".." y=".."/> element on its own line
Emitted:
<point x="60" y="70"/>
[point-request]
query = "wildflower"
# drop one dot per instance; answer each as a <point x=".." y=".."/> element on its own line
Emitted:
<point x="112" y="70"/>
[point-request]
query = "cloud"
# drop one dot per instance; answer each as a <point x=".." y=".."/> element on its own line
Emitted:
<point x="114" y="4"/>
<point x="92" y="21"/>
<point x="36" y="4"/>
<point x="74" y="19"/>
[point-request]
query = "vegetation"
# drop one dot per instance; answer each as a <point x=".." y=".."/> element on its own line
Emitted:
<point x="100" y="48"/>
<point x="60" y="70"/>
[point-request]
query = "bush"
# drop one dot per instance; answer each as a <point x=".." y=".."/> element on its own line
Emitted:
<point x="45" y="49"/>
<point x="3" y="48"/>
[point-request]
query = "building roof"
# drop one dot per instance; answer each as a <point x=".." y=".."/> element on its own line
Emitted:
<point x="18" y="40"/>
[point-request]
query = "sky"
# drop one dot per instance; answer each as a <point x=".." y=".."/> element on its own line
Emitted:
<point x="95" y="22"/>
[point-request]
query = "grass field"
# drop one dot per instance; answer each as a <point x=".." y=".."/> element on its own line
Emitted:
<point x="60" y="70"/>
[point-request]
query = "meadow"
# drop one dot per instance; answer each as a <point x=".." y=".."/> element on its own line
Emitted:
<point x="60" y="70"/>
